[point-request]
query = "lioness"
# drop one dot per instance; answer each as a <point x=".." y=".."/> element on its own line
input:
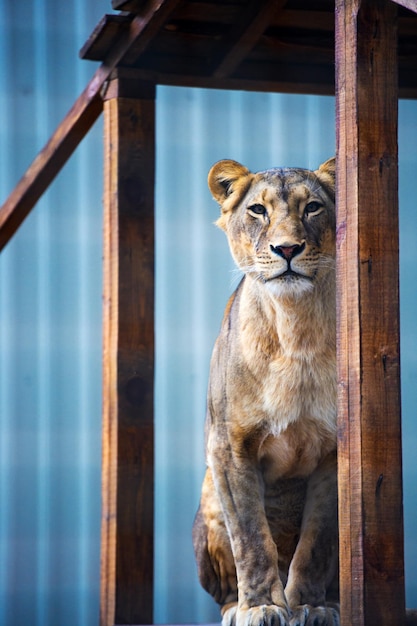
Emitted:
<point x="265" y="535"/>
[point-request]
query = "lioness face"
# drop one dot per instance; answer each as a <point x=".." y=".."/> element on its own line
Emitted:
<point x="280" y="223"/>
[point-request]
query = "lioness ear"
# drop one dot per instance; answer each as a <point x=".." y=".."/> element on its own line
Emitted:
<point x="222" y="176"/>
<point x="327" y="174"/>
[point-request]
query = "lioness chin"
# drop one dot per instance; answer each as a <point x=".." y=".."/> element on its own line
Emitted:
<point x="265" y="535"/>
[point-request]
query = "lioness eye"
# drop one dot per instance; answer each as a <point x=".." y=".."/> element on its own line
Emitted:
<point x="313" y="208"/>
<point x="257" y="209"/>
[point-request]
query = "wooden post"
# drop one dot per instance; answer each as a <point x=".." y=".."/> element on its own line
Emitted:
<point x="128" y="349"/>
<point x="370" y="476"/>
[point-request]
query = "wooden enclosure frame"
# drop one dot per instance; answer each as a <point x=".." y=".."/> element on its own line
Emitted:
<point x="369" y="424"/>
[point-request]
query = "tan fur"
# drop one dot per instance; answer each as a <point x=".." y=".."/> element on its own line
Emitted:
<point x="265" y="535"/>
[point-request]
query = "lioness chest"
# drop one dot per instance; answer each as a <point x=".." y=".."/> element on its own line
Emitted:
<point x="292" y="410"/>
<point x="280" y="389"/>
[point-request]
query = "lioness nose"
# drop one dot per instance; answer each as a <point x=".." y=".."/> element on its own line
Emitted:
<point x="288" y="252"/>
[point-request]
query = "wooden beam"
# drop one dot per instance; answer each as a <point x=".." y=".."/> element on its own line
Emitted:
<point x="246" y="33"/>
<point x="75" y="125"/>
<point x="50" y="160"/>
<point x="110" y="28"/>
<point x="165" y="9"/>
<point x="128" y="5"/>
<point x="370" y="476"/>
<point x="286" y="83"/>
<point x="128" y="354"/>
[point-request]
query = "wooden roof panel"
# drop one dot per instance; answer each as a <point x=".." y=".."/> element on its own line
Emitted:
<point x="267" y="45"/>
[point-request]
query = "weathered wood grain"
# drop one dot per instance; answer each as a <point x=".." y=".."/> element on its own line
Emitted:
<point x="370" y="480"/>
<point x="260" y="46"/>
<point x="128" y="353"/>
<point x="245" y="33"/>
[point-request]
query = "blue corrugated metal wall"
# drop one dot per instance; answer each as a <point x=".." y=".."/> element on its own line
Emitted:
<point x="50" y="308"/>
<point x="50" y="312"/>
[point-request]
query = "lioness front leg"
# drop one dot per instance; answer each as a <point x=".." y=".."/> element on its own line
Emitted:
<point x="261" y="598"/>
<point x="215" y="563"/>
<point x="314" y="566"/>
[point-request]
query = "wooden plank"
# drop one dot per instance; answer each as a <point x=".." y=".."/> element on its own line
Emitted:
<point x="218" y="13"/>
<point x="370" y="478"/>
<point x="104" y="35"/>
<point x="103" y="38"/>
<point x="281" y="49"/>
<point x="128" y="5"/>
<point x="299" y="81"/>
<point x="278" y="44"/>
<point x="75" y="125"/>
<point x="317" y="80"/>
<point x="306" y="19"/>
<point x="165" y="9"/>
<point x="407" y="27"/>
<point x="128" y="353"/>
<point x="246" y="33"/>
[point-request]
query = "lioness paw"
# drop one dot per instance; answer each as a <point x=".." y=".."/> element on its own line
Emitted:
<point x="307" y="615"/>
<point x="264" y="615"/>
<point x="229" y="616"/>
